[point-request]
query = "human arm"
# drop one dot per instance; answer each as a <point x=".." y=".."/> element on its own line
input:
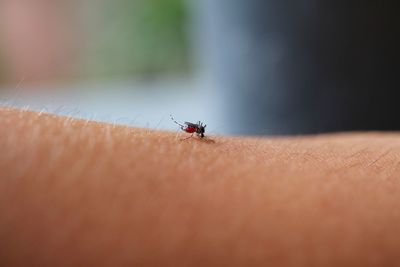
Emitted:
<point x="79" y="193"/>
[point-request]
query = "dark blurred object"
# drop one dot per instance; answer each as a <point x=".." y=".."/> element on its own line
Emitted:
<point x="307" y="66"/>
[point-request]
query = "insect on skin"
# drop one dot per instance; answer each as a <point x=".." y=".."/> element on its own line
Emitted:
<point x="192" y="128"/>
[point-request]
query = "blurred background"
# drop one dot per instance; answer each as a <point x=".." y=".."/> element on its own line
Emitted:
<point x="241" y="66"/>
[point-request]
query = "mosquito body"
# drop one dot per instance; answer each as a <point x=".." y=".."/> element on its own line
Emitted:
<point x="192" y="128"/>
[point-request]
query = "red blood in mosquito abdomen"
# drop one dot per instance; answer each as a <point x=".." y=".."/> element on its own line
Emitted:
<point x="190" y="130"/>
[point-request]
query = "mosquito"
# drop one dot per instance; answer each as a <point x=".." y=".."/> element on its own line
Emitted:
<point x="192" y="128"/>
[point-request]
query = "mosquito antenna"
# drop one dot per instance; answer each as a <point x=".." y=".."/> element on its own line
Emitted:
<point x="172" y="118"/>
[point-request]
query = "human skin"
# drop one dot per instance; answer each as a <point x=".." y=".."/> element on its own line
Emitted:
<point x="82" y="193"/>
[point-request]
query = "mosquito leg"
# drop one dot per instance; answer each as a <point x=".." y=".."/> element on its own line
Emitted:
<point x="187" y="138"/>
<point x="182" y="126"/>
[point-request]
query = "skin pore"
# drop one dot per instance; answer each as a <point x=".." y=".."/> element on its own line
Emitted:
<point x="83" y="193"/>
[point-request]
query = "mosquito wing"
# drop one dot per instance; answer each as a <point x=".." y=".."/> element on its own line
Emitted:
<point x="190" y="124"/>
